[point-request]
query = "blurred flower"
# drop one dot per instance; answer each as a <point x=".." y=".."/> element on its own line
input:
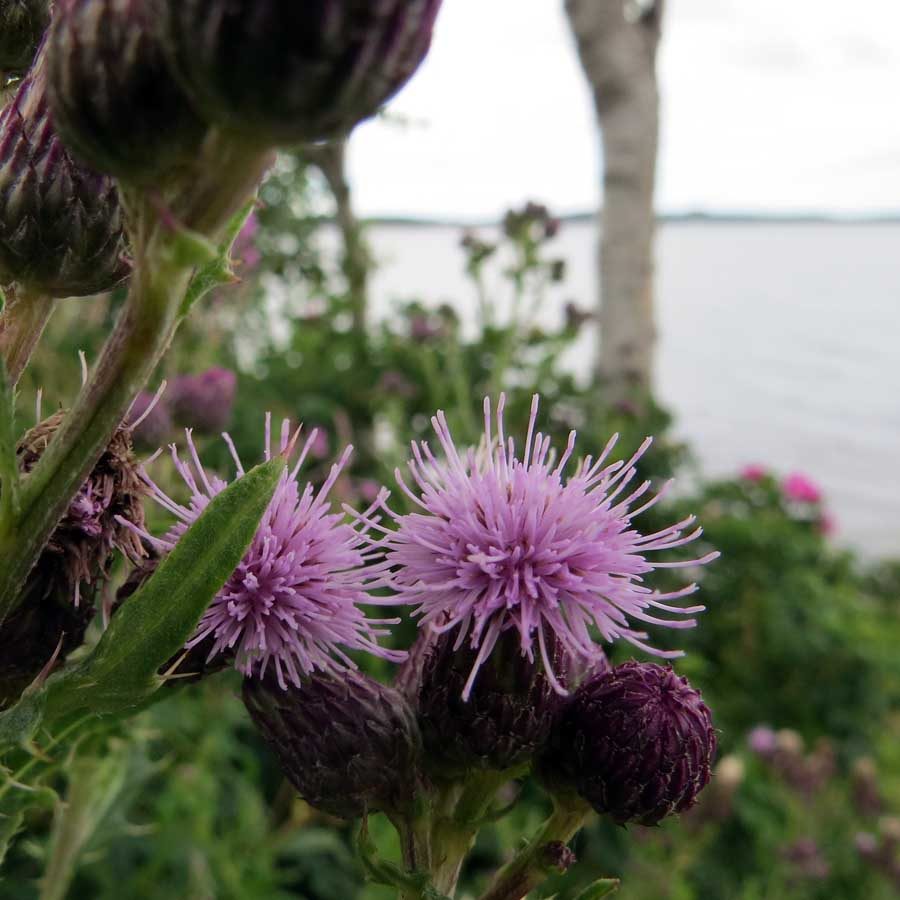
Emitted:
<point x="866" y="844"/>
<point x="801" y="488"/>
<point x="154" y="422"/>
<point x="204" y="401"/>
<point x="762" y="741"/>
<point x="827" y="524"/>
<point x="754" y="472"/>
<point x="245" y="248"/>
<point x="502" y="542"/>
<point x="865" y="789"/>
<point x="368" y="490"/>
<point x="292" y="603"/>
<point x="807" y="860"/>
<point x="636" y="743"/>
<point x="395" y="383"/>
<point x="423" y="328"/>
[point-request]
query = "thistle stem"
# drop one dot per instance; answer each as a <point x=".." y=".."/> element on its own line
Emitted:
<point x="226" y="175"/>
<point x="528" y="869"/>
<point x="22" y="323"/>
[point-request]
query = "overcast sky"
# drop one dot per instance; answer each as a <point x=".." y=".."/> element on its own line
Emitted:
<point x="767" y="105"/>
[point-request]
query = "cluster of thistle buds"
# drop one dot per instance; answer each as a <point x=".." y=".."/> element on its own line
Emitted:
<point x="137" y="133"/>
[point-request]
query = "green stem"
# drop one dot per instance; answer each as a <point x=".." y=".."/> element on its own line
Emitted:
<point x="529" y="868"/>
<point x="22" y="323"/>
<point x="226" y="175"/>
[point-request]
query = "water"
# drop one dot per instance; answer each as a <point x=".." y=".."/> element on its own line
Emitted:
<point x="778" y="344"/>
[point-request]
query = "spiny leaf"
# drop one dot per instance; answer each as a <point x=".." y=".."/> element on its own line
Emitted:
<point x="217" y="270"/>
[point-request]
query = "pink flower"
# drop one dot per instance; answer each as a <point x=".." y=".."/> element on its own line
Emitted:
<point x="502" y="542"/>
<point x="754" y="472"/>
<point x="801" y="489"/>
<point x="293" y="602"/>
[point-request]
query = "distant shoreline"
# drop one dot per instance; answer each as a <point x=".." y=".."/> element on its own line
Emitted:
<point x="690" y="218"/>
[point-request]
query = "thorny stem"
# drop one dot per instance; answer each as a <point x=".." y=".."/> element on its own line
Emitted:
<point x="22" y="323"/>
<point x="225" y="177"/>
<point x="528" y="869"/>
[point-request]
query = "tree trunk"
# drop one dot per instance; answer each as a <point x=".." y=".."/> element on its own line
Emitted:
<point x="617" y="43"/>
<point x="330" y="159"/>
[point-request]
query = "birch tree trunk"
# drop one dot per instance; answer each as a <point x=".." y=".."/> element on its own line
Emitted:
<point x="617" y="42"/>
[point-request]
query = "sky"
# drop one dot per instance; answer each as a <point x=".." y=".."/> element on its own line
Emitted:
<point x="767" y="105"/>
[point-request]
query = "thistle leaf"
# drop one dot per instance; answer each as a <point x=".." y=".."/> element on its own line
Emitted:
<point x="602" y="888"/>
<point x="153" y="625"/>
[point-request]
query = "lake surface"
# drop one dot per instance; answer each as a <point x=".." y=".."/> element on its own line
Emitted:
<point x="778" y="344"/>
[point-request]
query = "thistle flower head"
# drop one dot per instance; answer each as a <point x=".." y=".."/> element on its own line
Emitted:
<point x="292" y="603"/>
<point x="205" y="400"/>
<point x="22" y="22"/>
<point x="61" y="224"/>
<point x="503" y="541"/>
<point x="636" y="743"/>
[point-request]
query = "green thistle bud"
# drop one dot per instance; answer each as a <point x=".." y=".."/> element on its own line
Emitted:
<point x="347" y="743"/>
<point x="22" y="22"/>
<point x="509" y="713"/>
<point x="114" y="101"/>
<point x="283" y="72"/>
<point x="58" y="597"/>
<point x="61" y="224"/>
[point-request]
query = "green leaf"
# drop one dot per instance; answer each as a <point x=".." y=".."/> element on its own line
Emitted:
<point x="602" y="888"/>
<point x="152" y="627"/>
<point x="217" y="270"/>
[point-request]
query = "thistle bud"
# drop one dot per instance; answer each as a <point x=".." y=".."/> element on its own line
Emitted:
<point x="283" y="72"/>
<point x="636" y="743"/>
<point x="61" y="224"/>
<point x="508" y="716"/>
<point x="57" y="605"/>
<point x="348" y="744"/>
<point x="115" y="102"/>
<point x="22" y="22"/>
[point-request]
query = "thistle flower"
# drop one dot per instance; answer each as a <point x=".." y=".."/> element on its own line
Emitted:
<point x="61" y="224"/>
<point x="114" y="100"/>
<point x="292" y="603"/>
<point x="801" y="488"/>
<point x="22" y="22"/>
<point x="506" y="543"/>
<point x="636" y="743"/>
<point x="348" y="744"/>
<point x="279" y="71"/>
<point x="205" y="400"/>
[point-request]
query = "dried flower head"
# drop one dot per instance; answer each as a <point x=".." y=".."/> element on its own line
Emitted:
<point x="502" y="542"/>
<point x="636" y="743"/>
<point x="57" y="606"/>
<point x="61" y="224"/>
<point x="292" y="604"/>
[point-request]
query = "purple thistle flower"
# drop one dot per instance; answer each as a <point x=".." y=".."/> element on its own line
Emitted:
<point x="506" y="542"/>
<point x="292" y="601"/>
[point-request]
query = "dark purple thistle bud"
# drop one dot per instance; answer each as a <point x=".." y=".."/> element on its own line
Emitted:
<point x="636" y="743"/>
<point x="204" y="401"/>
<point x="507" y="717"/>
<point x="283" y="72"/>
<point x="22" y="23"/>
<point x="347" y="743"/>
<point x="58" y="596"/>
<point x="114" y="100"/>
<point x="61" y="224"/>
